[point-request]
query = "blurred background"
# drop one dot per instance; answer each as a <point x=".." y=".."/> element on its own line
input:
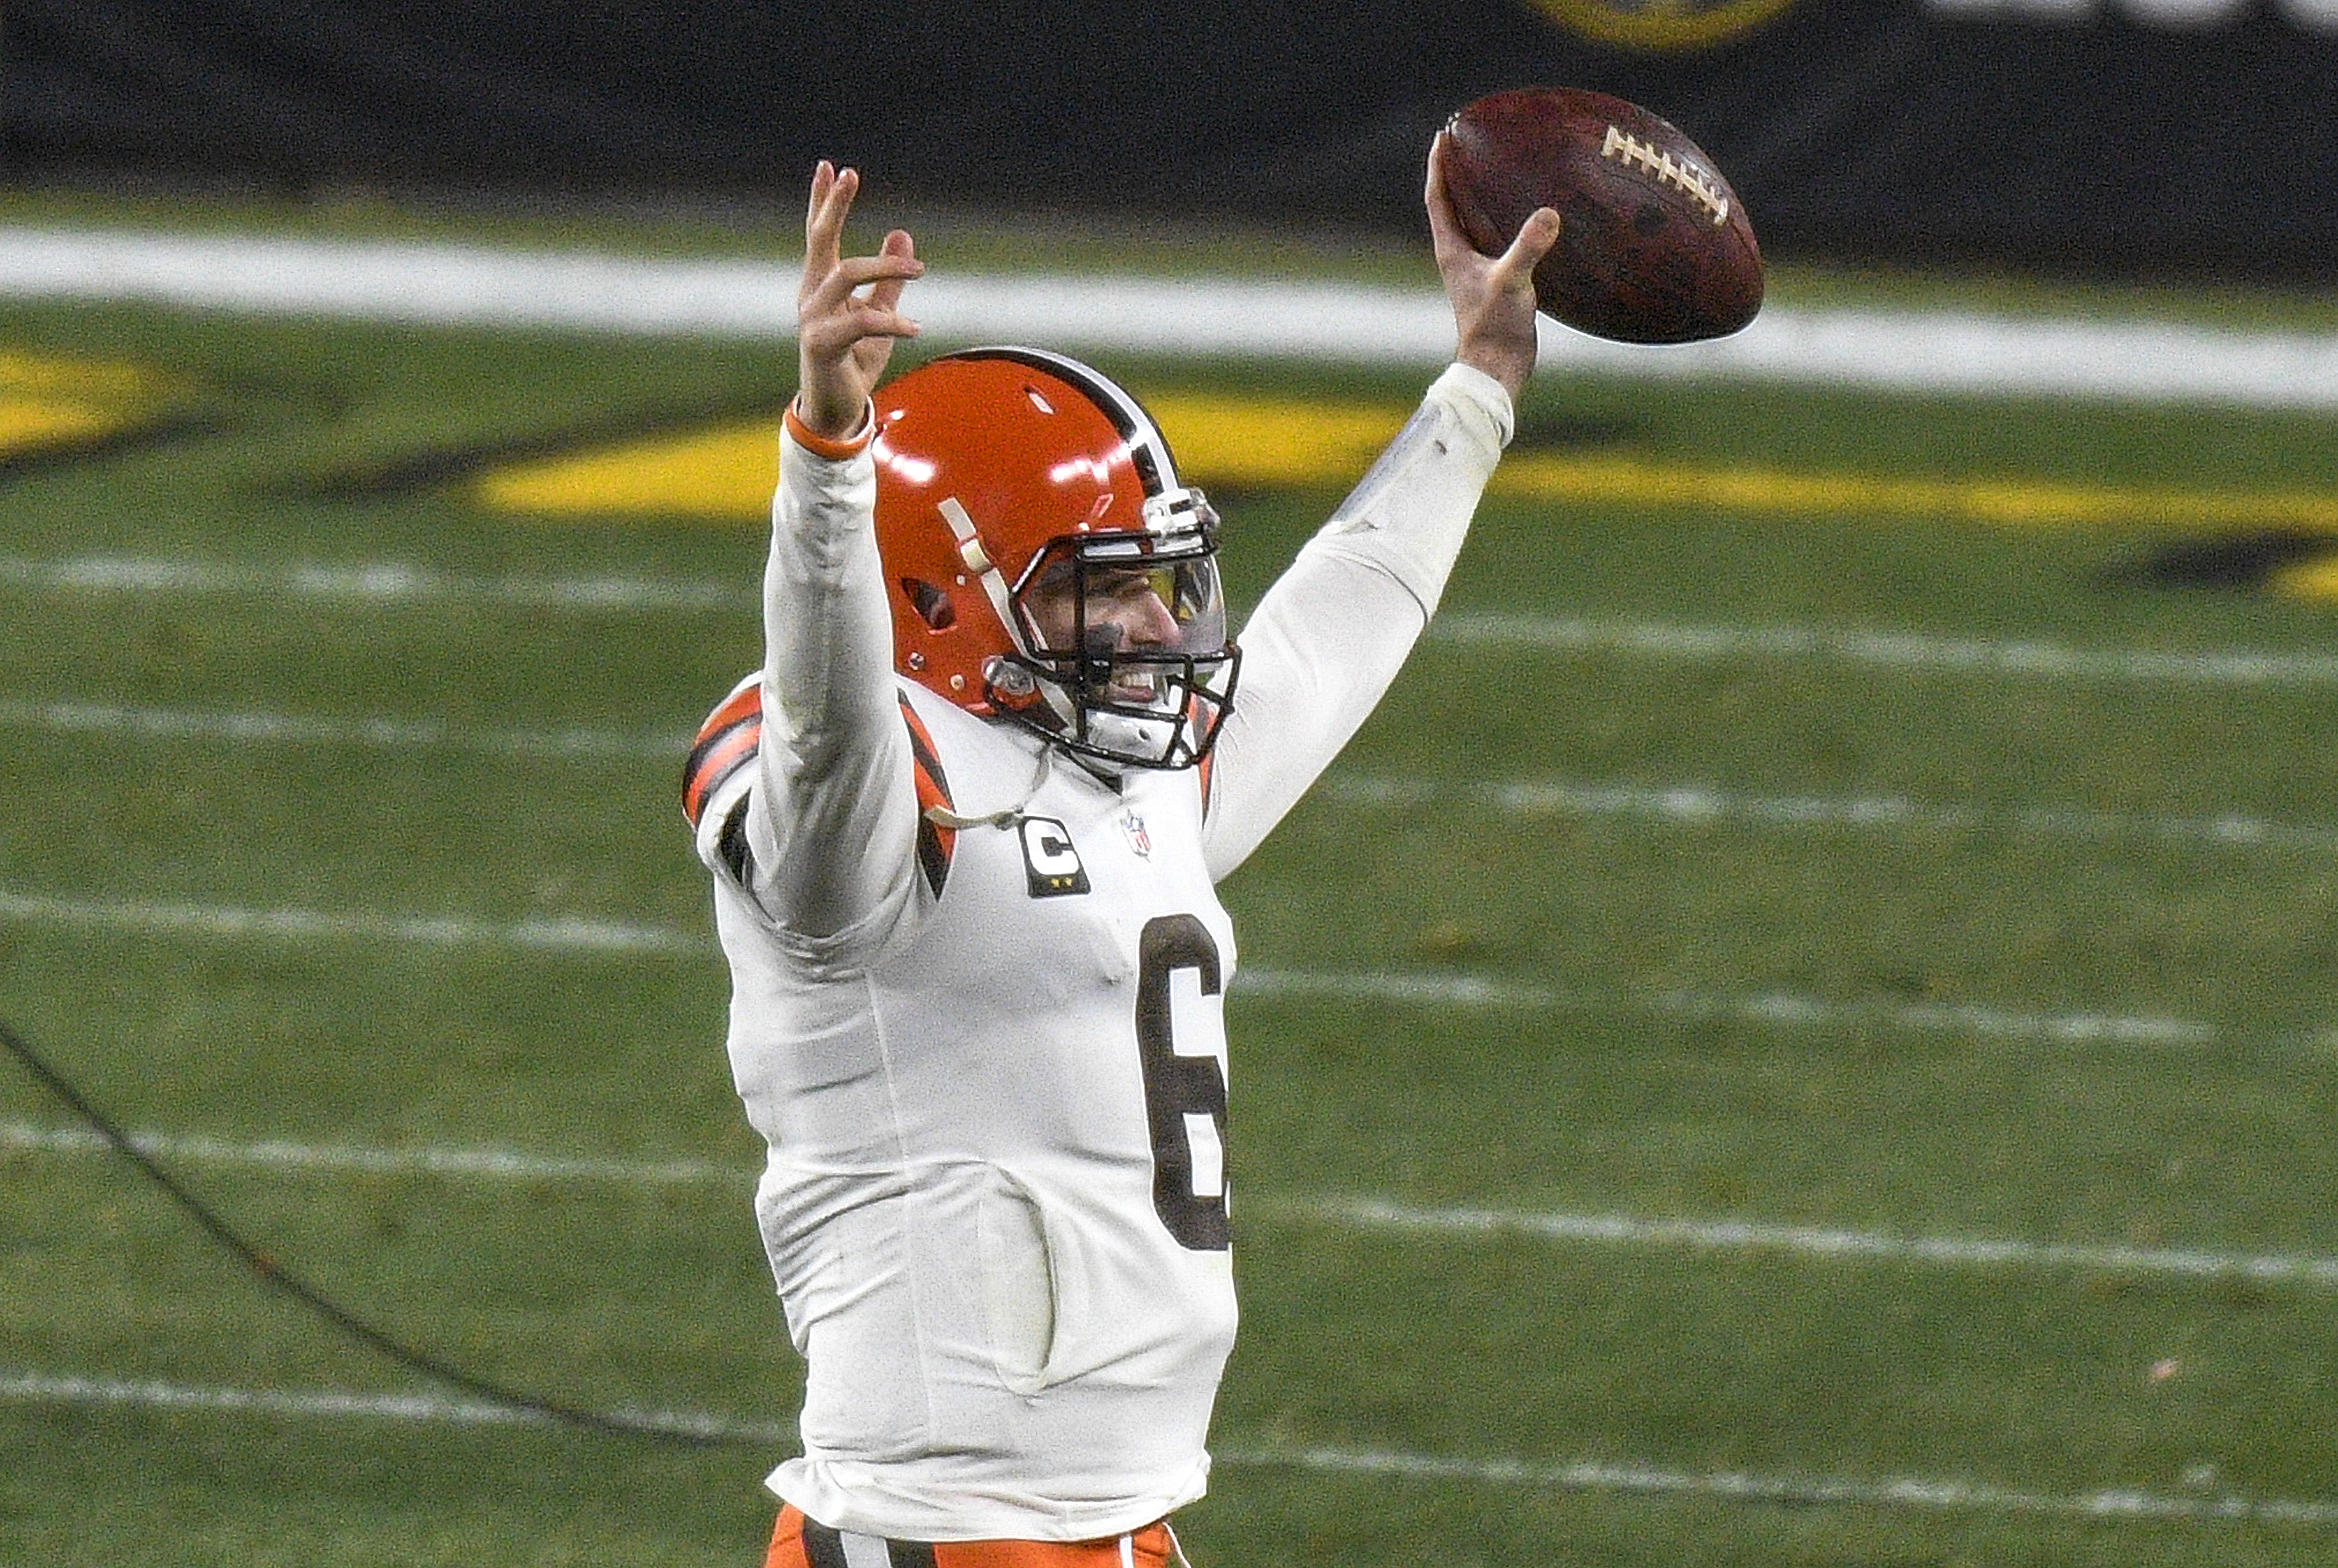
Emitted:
<point x="2111" y="135"/>
<point x="1805" y="1032"/>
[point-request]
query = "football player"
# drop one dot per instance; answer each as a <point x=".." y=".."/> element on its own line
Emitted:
<point x="964" y="827"/>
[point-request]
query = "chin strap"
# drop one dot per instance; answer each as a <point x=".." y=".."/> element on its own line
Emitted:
<point x="942" y="816"/>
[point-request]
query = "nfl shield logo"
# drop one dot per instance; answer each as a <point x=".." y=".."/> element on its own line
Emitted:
<point x="1138" y="839"/>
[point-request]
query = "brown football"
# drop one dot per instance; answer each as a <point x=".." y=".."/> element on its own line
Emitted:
<point x="1654" y="246"/>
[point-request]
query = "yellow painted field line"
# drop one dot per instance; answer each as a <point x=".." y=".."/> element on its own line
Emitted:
<point x="1223" y="439"/>
<point x="1595" y="480"/>
<point x="2307" y="580"/>
<point x="724" y="472"/>
<point x="28" y="424"/>
<point x="45" y="400"/>
<point x="728" y="471"/>
<point x="102" y="380"/>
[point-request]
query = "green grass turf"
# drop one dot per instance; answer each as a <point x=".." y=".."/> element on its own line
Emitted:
<point x="2035" y="1379"/>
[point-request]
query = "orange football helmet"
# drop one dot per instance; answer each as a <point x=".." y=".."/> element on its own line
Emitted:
<point x="1043" y="561"/>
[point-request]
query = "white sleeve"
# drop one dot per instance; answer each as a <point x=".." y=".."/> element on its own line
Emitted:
<point x="831" y="822"/>
<point x="1327" y="639"/>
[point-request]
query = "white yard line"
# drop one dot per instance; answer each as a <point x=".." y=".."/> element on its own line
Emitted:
<point x="1918" y="653"/>
<point x="552" y="935"/>
<point x="1925" y="1493"/>
<point x="573" y="934"/>
<point x="2117" y="1503"/>
<point x="1900" y="351"/>
<point x="38" y="1388"/>
<point x="1691" y="804"/>
<point x="387" y="583"/>
<point x="1821" y="1242"/>
<point x="1698" y="805"/>
<point x="397" y="583"/>
<point x="345" y="1158"/>
<point x="258" y="725"/>
<point x="1768" y="1009"/>
<point x="1470" y="1222"/>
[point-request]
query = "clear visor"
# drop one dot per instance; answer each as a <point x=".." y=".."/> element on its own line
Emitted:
<point x="1110" y="599"/>
<point x="1126" y="656"/>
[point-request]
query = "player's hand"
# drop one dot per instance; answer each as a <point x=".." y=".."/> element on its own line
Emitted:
<point x="848" y="312"/>
<point x="1493" y="297"/>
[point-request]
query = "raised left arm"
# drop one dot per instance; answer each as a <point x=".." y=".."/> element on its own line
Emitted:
<point x="1329" y="636"/>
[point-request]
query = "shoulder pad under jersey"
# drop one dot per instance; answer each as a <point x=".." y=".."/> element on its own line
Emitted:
<point x="719" y="775"/>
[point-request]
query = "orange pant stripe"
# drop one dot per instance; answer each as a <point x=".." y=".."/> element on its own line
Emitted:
<point x="799" y="1542"/>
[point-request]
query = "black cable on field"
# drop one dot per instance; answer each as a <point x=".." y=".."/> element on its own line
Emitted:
<point x="275" y="1273"/>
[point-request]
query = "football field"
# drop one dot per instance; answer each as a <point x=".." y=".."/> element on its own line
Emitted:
<point x="1805" y="1032"/>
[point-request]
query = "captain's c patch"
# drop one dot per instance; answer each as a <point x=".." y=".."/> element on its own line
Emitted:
<point x="1050" y="864"/>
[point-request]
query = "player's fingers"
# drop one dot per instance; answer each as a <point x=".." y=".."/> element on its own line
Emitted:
<point x="1444" y="232"/>
<point x="831" y="317"/>
<point x="829" y="288"/>
<point x="831" y="203"/>
<point x="834" y="291"/>
<point x="852" y="271"/>
<point x="823" y="179"/>
<point x="873" y="322"/>
<point x="823" y="175"/>
<point x="1536" y="236"/>
<point x="901" y="249"/>
<point x="856" y="334"/>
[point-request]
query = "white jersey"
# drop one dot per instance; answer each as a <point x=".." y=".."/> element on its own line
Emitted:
<point x="990" y="1061"/>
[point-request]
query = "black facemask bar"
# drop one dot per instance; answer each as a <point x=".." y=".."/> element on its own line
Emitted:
<point x="1139" y="650"/>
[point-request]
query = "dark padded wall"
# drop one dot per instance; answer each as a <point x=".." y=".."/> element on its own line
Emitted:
<point x="1855" y="128"/>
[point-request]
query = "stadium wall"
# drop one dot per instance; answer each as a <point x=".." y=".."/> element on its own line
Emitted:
<point x="2129" y="137"/>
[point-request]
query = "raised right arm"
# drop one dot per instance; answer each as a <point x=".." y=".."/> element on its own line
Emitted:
<point x="831" y="824"/>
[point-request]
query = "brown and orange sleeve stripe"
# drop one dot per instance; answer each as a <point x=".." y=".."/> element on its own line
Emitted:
<point x="726" y="743"/>
<point x="937" y="843"/>
<point x="734" y="733"/>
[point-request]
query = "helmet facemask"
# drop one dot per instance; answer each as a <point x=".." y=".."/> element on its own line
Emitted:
<point x="1124" y="650"/>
